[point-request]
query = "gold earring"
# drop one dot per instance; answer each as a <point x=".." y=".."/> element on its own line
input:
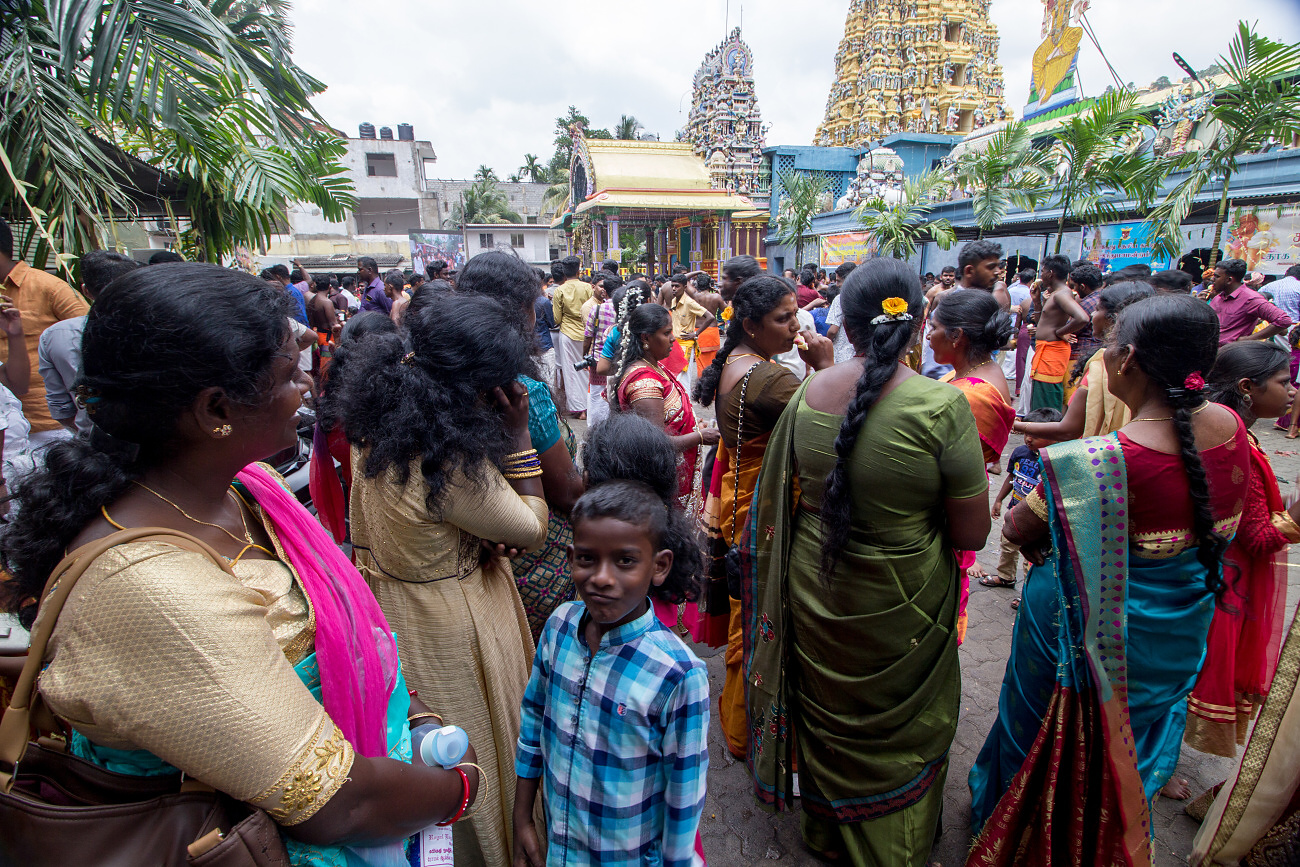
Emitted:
<point x="224" y="431"/>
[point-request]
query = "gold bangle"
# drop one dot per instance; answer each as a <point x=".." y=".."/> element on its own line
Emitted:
<point x="525" y="453"/>
<point x="1286" y="525"/>
<point x="478" y="796"/>
<point x="425" y="714"/>
<point x="527" y="474"/>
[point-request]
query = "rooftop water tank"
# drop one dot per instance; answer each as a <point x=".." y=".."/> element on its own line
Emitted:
<point x="367" y="130"/>
<point x="386" y="133"/>
<point x="405" y="132"/>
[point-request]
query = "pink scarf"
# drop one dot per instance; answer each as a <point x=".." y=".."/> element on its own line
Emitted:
<point x="354" y="646"/>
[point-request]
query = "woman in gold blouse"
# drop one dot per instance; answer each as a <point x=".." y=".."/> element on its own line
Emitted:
<point x="241" y="674"/>
<point x="442" y="462"/>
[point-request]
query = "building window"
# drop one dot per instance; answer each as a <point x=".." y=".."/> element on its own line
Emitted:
<point x="516" y="239"/>
<point x="485" y="241"/>
<point x="532" y="221"/>
<point x="953" y="34"/>
<point x="429" y="171"/>
<point x="381" y="166"/>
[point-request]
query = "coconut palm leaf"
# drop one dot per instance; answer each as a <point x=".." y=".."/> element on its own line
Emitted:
<point x="801" y="200"/>
<point x="1008" y="171"/>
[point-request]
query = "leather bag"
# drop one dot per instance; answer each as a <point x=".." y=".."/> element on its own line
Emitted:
<point x="58" y="810"/>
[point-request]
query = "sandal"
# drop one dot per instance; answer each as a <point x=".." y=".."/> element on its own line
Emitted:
<point x="1015" y="604"/>
<point x="997" y="581"/>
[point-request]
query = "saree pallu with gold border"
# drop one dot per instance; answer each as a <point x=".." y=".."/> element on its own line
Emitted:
<point x="1107" y="645"/>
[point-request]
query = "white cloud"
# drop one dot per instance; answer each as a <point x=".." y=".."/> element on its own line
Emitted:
<point x="484" y="81"/>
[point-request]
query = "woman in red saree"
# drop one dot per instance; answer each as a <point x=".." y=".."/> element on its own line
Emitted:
<point x="1254" y="380"/>
<point x="967" y="327"/>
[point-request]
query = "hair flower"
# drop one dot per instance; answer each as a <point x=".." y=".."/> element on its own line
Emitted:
<point x="725" y="315"/>
<point x="1194" y="381"/>
<point x="895" y="311"/>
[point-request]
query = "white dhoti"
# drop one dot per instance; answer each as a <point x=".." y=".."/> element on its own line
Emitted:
<point x="568" y="352"/>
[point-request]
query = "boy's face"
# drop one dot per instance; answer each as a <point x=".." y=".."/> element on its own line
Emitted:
<point x="614" y="566"/>
<point x="1036" y="443"/>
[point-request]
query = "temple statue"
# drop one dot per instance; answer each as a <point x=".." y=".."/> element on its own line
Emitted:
<point x="725" y="127"/>
<point x="919" y="65"/>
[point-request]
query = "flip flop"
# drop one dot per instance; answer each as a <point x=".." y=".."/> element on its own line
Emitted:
<point x="997" y="581"/>
<point x="1015" y="604"/>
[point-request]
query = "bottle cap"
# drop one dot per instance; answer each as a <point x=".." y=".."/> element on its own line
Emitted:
<point x="445" y="747"/>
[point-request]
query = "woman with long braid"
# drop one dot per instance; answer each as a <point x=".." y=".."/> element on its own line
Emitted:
<point x="872" y="477"/>
<point x="749" y="392"/>
<point x="1128" y="533"/>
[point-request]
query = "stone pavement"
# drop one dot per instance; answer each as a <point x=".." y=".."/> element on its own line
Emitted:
<point x="735" y="831"/>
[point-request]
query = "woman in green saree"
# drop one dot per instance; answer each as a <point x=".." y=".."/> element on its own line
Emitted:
<point x="871" y="478"/>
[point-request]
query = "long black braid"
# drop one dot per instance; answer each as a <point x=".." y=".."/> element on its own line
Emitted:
<point x="881" y="343"/>
<point x="756" y="297"/>
<point x="1174" y="336"/>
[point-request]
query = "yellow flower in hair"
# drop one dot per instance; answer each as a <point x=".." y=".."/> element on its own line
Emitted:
<point x="725" y="315"/>
<point x="894" y="306"/>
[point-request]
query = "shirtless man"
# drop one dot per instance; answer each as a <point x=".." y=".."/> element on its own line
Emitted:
<point x="1060" y="318"/>
<point x="322" y="315"/>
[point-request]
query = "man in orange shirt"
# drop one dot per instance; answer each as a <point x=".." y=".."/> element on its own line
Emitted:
<point x="43" y="300"/>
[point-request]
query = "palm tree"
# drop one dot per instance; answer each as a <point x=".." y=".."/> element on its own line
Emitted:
<point x="627" y="128"/>
<point x="1257" y="106"/>
<point x="208" y="93"/>
<point x="556" y="197"/>
<point x="533" y="169"/>
<point x="897" y="227"/>
<point x="483" y="173"/>
<point x="482" y="202"/>
<point x="1098" y="167"/>
<point x="1008" y="171"/>
<point x="801" y="200"/>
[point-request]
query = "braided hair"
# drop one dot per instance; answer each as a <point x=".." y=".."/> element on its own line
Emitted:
<point x="756" y="297"/>
<point x="881" y="344"/>
<point x="1175" y="336"/>
<point x="644" y="319"/>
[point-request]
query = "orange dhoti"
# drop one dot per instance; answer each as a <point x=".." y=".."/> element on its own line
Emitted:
<point x="1050" y="371"/>
<point x="706" y="347"/>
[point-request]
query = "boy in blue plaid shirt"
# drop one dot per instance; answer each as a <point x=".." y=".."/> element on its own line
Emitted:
<point x="615" y="718"/>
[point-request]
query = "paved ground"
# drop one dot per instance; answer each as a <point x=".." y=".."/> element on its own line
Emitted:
<point x="736" y="832"/>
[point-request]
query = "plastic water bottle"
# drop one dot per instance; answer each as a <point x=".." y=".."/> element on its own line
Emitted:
<point x="441" y="747"/>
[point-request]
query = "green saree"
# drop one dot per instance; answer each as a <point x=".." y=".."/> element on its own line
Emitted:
<point x="863" y="669"/>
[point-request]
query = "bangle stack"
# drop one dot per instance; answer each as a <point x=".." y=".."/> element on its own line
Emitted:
<point x="464" y="800"/>
<point x="522" y="465"/>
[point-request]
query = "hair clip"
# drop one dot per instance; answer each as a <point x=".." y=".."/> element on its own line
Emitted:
<point x="408" y="358"/>
<point x="895" y="311"/>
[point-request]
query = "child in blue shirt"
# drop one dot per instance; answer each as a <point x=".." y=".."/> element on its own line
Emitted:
<point x="1023" y="471"/>
<point x="615" y="718"/>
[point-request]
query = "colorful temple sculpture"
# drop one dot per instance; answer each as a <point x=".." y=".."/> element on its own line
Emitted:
<point x="913" y="66"/>
<point x="725" y="127"/>
<point x="880" y="175"/>
<point x="1055" y="65"/>
<point x="661" y="195"/>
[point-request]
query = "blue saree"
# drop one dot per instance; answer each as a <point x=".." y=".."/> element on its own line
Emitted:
<point x="1106" y="648"/>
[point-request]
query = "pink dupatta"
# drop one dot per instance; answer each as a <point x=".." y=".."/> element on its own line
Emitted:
<point x="355" y="650"/>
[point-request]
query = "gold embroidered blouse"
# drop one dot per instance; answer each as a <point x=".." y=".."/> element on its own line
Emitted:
<point x="159" y="649"/>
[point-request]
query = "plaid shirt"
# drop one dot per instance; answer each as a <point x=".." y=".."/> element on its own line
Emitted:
<point x="599" y="322"/>
<point x="622" y="738"/>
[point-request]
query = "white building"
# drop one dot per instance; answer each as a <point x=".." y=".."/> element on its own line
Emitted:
<point x="396" y="193"/>
<point x="532" y="243"/>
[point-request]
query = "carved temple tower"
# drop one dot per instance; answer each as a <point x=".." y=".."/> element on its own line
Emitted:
<point x="725" y="127"/>
<point x="919" y="66"/>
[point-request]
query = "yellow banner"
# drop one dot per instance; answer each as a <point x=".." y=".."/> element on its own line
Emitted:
<point x="854" y="247"/>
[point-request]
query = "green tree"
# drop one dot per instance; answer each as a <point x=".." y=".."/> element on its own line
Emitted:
<point x="1258" y="105"/>
<point x="482" y="202"/>
<point x="556" y="197"/>
<point x="483" y="173"/>
<point x="533" y="169"/>
<point x="208" y="93"/>
<point x="628" y="128"/>
<point x="1099" y="164"/>
<point x="632" y="244"/>
<point x="898" y="227"/>
<point x="801" y="200"/>
<point x="1008" y="171"/>
<point x="563" y="155"/>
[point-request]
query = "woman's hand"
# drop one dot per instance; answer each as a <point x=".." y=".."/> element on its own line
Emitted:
<point x="820" y="353"/>
<point x="709" y="435"/>
<point x="513" y="400"/>
<point x="502" y="550"/>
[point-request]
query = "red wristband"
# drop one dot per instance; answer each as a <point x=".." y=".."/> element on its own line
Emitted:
<point x="464" y="801"/>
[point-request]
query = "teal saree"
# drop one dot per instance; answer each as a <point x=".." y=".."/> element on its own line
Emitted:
<point x="1107" y="645"/>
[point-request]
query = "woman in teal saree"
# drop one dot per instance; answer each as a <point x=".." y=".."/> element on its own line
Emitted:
<point x="1128" y="531"/>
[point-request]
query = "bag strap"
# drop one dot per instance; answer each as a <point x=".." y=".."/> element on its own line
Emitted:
<point x="740" y="430"/>
<point x="15" y="727"/>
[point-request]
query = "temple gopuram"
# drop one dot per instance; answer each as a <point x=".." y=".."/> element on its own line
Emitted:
<point x="913" y="66"/>
<point x="725" y="127"/>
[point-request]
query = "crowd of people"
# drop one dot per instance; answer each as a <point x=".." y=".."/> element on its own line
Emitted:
<point x="478" y="568"/>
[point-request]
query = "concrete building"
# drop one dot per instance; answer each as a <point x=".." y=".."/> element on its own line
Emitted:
<point x="532" y="243"/>
<point x="397" y="193"/>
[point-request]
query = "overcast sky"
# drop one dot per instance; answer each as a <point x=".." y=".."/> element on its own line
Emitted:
<point x="484" y="80"/>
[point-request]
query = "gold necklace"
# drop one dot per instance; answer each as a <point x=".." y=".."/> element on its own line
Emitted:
<point x="970" y="369"/>
<point x="744" y="355"/>
<point x="247" y="541"/>
<point x="1170" y="417"/>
